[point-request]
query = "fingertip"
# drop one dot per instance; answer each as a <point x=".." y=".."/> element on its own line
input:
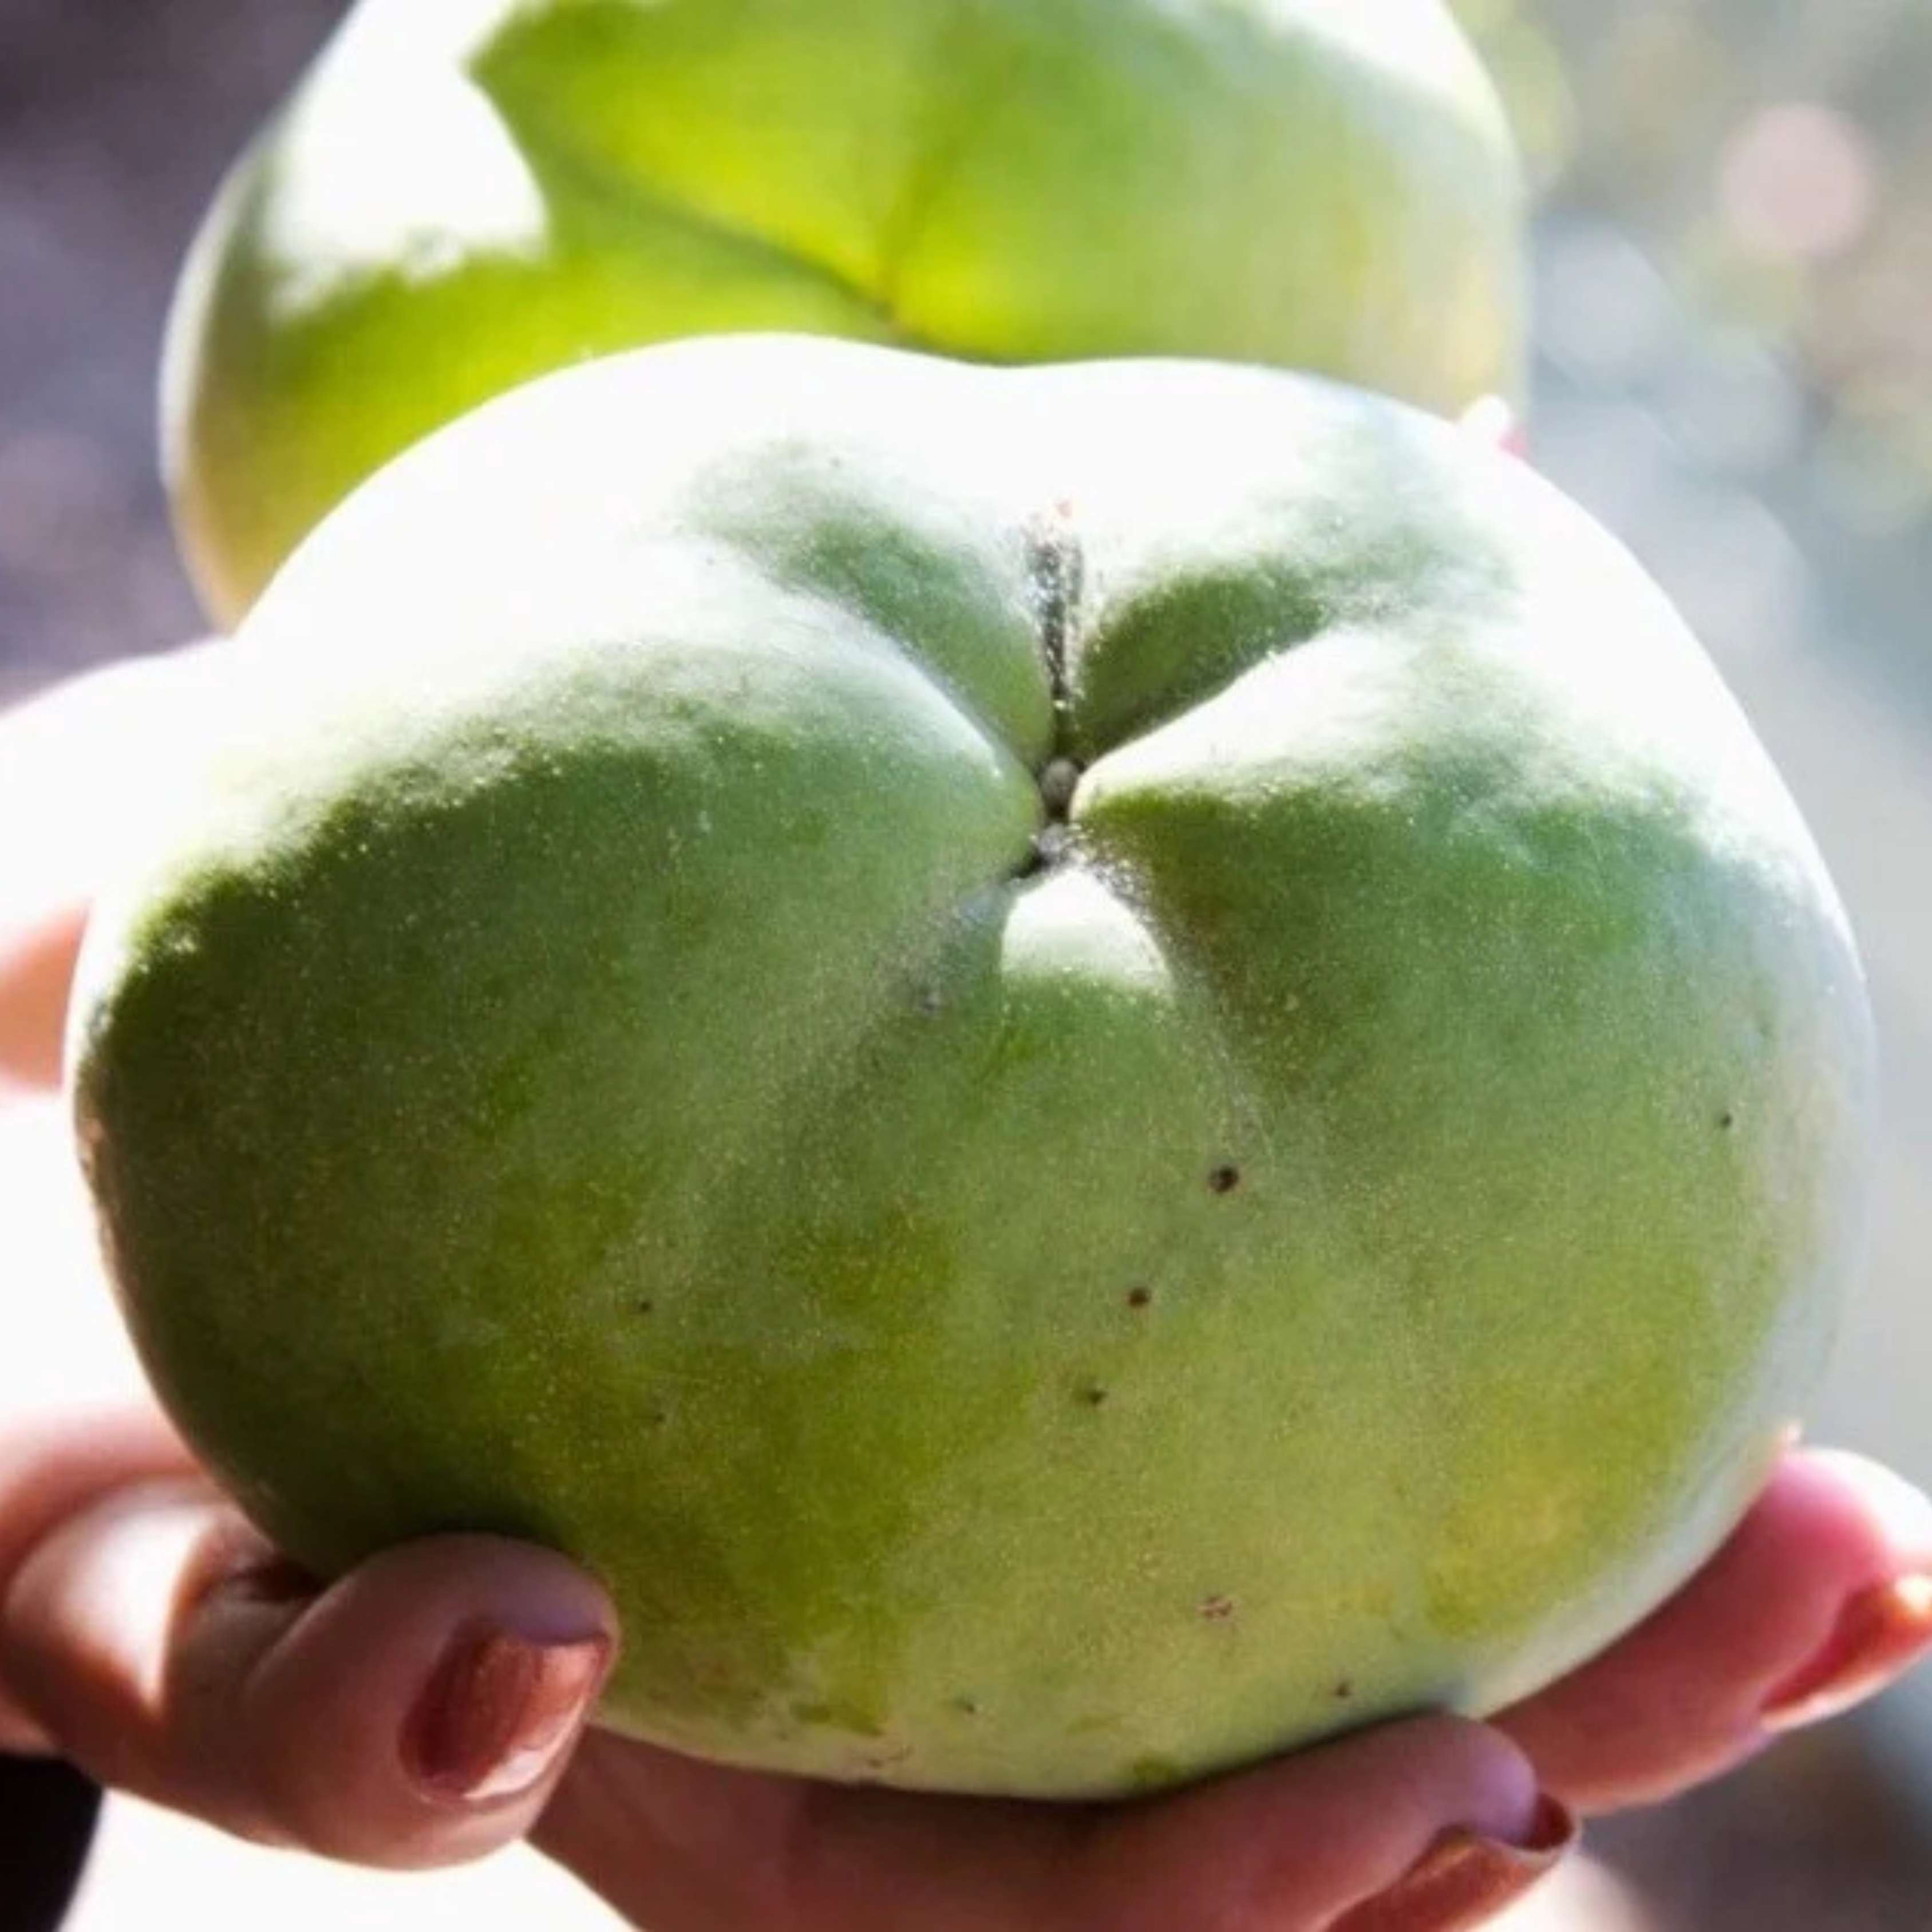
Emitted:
<point x="1378" y="1823"/>
<point x="1822" y="1597"/>
<point x="1881" y="1631"/>
<point x="71" y="758"/>
<point x="156" y="1639"/>
<point x="1466" y="1879"/>
<point x="1856" y="1500"/>
<point x="37" y="966"/>
<point x="487" y="1723"/>
<point x="1494" y="422"/>
<point x="475" y="1662"/>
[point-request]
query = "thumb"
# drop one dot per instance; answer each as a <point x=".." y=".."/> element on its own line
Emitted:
<point x="1431" y="1824"/>
<point x="415" y="1713"/>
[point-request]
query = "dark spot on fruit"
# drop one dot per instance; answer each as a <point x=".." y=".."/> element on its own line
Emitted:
<point x="1093" y="1394"/>
<point x="931" y="1001"/>
<point x="1727" y="1120"/>
<point x="1139" y="1297"/>
<point x="1345" y="1689"/>
<point x="1216" y="1609"/>
<point x="646" y="1306"/>
<point x="1225" y="1179"/>
<point x="966" y="1707"/>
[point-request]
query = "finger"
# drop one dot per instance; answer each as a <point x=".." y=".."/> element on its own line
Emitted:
<point x="1433" y="1823"/>
<point x="36" y="971"/>
<point x="1493" y="422"/>
<point x="1823" y="1595"/>
<point x="50" y="1469"/>
<point x="76" y="764"/>
<point x="416" y="1713"/>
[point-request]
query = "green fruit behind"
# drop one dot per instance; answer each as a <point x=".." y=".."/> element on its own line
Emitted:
<point x="623" y="1052"/>
<point x="461" y="196"/>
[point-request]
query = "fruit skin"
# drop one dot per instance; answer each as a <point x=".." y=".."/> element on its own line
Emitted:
<point x="462" y="196"/>
<point x="614" y="1052"/>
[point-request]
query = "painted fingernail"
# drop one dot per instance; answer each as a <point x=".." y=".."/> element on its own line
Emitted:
<point x="498" y="1712"/>
<point x="1464" y="1878"/>
<point x="1878" y="1631"/>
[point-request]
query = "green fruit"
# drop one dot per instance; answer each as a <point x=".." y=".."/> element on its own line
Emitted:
<point x="461" y="197"/>
<point x="1016" y="1284"/>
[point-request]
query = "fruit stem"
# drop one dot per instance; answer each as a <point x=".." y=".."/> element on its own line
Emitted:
<point x="1057" y="570"/>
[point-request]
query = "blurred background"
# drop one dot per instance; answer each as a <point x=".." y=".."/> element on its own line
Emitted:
<point x="1734" y="295"/>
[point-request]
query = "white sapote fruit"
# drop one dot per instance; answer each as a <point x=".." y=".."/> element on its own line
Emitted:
<point x="1088" y="1069"/>
<point x="463" y="194"/>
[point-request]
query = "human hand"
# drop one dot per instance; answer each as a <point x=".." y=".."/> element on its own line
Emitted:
<point x="149" y="1634"/>
<point x="428" y="1708"/>
<point x="77" y="764"/>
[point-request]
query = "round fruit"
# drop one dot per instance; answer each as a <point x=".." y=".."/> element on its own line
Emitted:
<point x="462" y="196"/>
<point x="1088" y="1069"/>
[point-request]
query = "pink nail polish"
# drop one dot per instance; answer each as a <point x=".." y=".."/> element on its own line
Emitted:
<point x="498" y="1711"/>
<point x="1464" y="1878"/>
<point x="1879" y="1630"/>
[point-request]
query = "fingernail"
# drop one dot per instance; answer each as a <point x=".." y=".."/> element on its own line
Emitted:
<point x="498" y="1711"/>
<point x="1878" y="1631"/>
<point x="1464" y="1878"/>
